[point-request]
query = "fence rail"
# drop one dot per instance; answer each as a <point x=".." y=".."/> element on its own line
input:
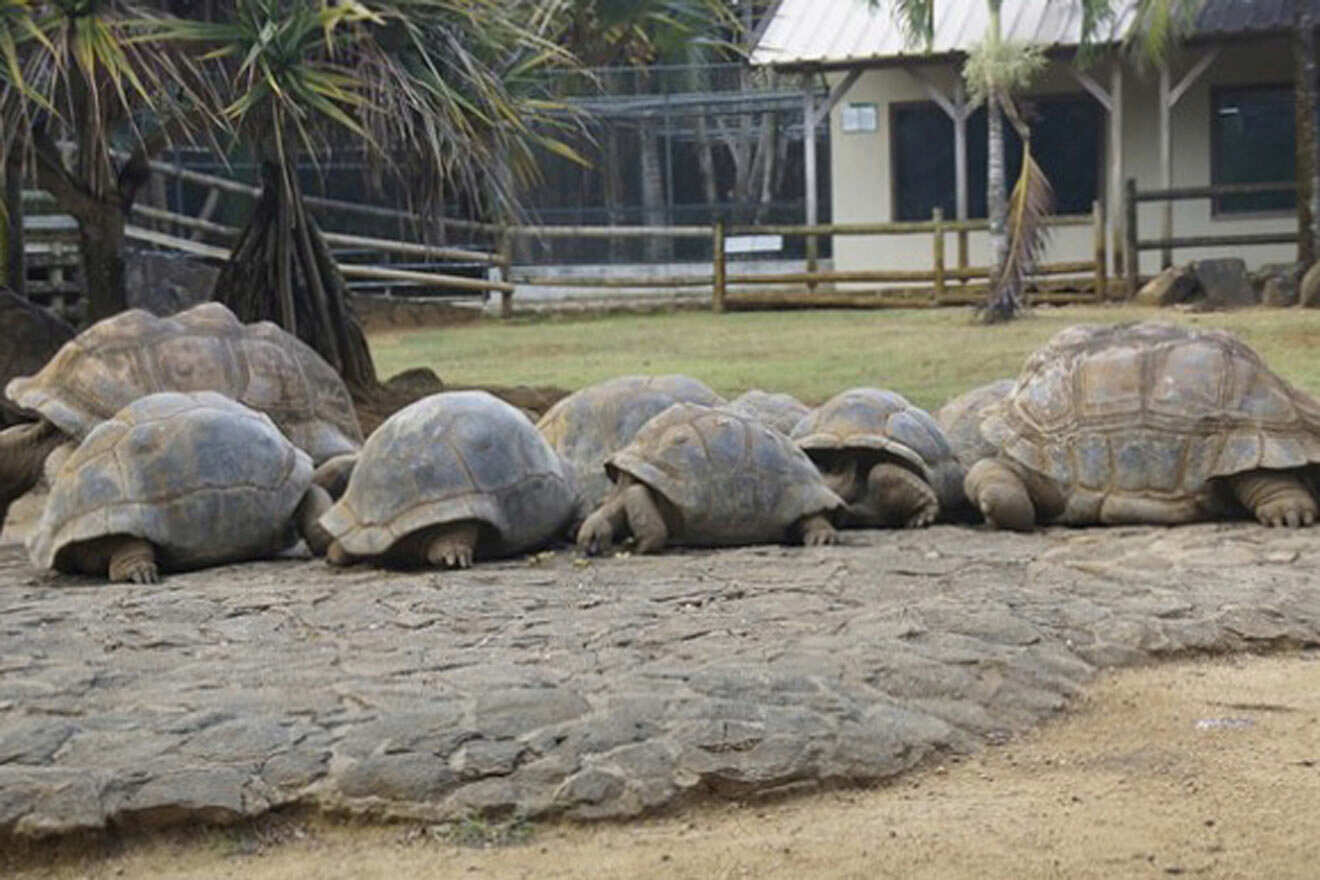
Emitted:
<point x="1165" y="244"/>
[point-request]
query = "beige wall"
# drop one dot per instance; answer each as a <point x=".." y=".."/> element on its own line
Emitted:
<point x="862" y="187"/>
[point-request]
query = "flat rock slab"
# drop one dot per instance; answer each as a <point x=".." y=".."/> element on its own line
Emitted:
<point x="551" y="686"/>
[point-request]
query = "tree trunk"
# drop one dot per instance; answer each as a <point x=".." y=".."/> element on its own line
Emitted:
<point x="1308" y="171"/>
<point x="653" y="193"/>
<point x="706" y="162"/>
<point x="101" y="243"/>
<point x="282" y="270"/>
<point x="11" y="247"/>
<point x="998" y="308"/>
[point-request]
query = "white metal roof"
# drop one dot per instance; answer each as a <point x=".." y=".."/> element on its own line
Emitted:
<point x="833" y="32"/>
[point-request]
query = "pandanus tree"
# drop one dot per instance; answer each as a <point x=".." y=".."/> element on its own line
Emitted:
<point x="430" y="90"/>
<point x="80" y="77"/>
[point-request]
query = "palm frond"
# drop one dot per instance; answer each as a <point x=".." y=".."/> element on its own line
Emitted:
<point x="916" y="19"/>
<point x="1030" y="203"/>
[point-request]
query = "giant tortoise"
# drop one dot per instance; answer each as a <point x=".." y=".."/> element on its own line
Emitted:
<point x="778" y="410"/>
<point x="175" y="481"/>
<point x="133" y="354"/>
<point x="453" y="477"/>
<point x="29" y="335"/>
<point x="591" y="424"/>
<point x="1147" y="423"/>
<point x="706" y="476"/>
<point x="885" y="457"/>
<point x="961" y="418"/>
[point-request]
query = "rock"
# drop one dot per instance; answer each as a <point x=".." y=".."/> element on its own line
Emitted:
<point x="33" y="741"/>
<point x="165" y="283"/>
<point x="1224" y="284"/>
<point x="1277" y="283"/>
<point x="1174" y="285"/>
<point x="1309" y="293"/>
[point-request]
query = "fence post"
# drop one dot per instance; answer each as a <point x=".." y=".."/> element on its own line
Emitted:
<point x="1130" y="256"/>
<point x="962" y="257"/>
<point x="937" y="218"/>
<point x="1098" y="234"/>
<point x="720" y="268"/>
<point x="506" y="271"/>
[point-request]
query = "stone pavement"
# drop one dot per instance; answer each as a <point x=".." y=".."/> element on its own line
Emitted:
<point x="551" y="686"/>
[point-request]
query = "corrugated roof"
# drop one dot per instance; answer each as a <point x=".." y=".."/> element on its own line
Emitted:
<point x="836" y="32"/>
<point x="839" y="31"/>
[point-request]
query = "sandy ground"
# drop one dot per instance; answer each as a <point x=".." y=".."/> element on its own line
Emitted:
<point x="1207" y="768"/>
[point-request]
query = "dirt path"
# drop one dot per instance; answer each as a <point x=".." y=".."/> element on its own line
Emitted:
<point x="1208" y="769"/>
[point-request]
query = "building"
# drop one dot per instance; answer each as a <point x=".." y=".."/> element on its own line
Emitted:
<point x="904" y="138"/>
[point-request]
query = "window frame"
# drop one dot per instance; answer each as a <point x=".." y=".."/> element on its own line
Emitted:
<point x="1102" y="146"/>
<point x="1216" y="149"/>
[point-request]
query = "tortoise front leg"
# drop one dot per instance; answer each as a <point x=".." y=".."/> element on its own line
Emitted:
<point x="1000" y="495"/>
<point x="645" y="520"/>
<point x="816" y="530"/>
<point x="23" y="451"/>
<point x="132" y="559"/>
<point x="1275" y="498"/>
<point x="900" y="497"/>
<point x="453" y="545"/>
<point x="335" y="554"/>
<point x="596" y="534"/>
<point x="315" y="502"/>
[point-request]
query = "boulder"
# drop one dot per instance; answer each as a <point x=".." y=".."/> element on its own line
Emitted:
<point x="1174" y="285"/>
<point x="1309" y="293"/>
<point x="1278" y="283"/>
<point x="1224" y="283"/>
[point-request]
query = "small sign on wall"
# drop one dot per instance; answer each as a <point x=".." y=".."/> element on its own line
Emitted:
<point x="859" y="117"/>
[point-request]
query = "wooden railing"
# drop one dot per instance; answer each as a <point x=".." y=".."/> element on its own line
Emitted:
<point x="1165" y="244"/>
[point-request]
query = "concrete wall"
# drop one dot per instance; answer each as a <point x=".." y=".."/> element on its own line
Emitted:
<point x="862" y="189"/>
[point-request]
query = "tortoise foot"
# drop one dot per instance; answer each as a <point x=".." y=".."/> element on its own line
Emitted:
<point x="817" y="531"/>
<point x="134" y="560"/>
<point x="1277" y="499"/>
<point x="901" y="497"/>
<point x="1001" y="496"/>
<point x="453" y="547"/>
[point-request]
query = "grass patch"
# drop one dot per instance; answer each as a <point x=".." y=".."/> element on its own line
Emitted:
<point x="929" y="355"/>
<point x="474" y="831"/>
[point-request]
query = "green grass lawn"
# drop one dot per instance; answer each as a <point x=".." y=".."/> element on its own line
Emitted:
<point x="929" y="355"/>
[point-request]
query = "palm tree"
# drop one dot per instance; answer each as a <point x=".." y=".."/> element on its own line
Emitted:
<point x="428" y="87"/>
<point x="994" y="70"/>
<point x="90" y="73"/>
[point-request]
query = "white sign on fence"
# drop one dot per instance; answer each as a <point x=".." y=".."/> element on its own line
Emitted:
<point x="746" y="244"/>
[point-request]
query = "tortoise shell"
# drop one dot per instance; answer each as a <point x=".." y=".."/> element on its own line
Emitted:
<point x="591" y="424"/>
<point x="457" y="455"/>
<point x="31" y="335"/>
<point x="780" y="411"/>
<point x="204" y="479"/>
<point x="732" y="479"/>
<point x="133" y="354"/>
<point x="961" y="418"/>
<point x="883" y="424"/>
<point x="1151" y="408"/>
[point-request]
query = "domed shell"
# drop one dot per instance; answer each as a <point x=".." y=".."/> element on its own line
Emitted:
<point x="1152" y="407"/>
<point x="780" y="411"/>
<point x="133" y="354"/>
<point x="961" y="418"/>
<point x="29" y="335"/>
<point x="591" y="424"/>
<point x="733" y="479"/>
<point x="458" y="455"/>
<point x="203" y="478"/>
<point x="872" y="420"/>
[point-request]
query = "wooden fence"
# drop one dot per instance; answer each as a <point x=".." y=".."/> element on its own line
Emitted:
<point x="1165" y="244"/>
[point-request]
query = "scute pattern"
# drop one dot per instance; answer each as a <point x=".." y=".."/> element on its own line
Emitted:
<point x="203" y="478"/>
<point x="873" y="419"/>
<point x="961" y="419"/>
<point x="1154" y="409"/>
<point x="453" y="456"/>
<point x="205" y="348"/>
<point x="591" y="424"/>
<point x="780" y="411"/>
<point x="733" y="479"/>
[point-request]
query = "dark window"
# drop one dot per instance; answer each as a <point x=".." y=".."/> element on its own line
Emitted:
<point x="1252" y="141"/>
<point x="1065" y="138"/>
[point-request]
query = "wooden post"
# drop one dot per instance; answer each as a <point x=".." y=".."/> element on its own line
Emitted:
<point x="962" y="252"/>
<point x="1166" y="165"/>
<point x="937" y="218"/>
<point x="1131" y="259"/>
<point x="809" y="171"/>
<point x="1116" y="161"/>
<point x="720" y="267"/>
<point x="1098" y="240"/>
<point x="208" y="209"/>
<point x="506" y="271"/>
